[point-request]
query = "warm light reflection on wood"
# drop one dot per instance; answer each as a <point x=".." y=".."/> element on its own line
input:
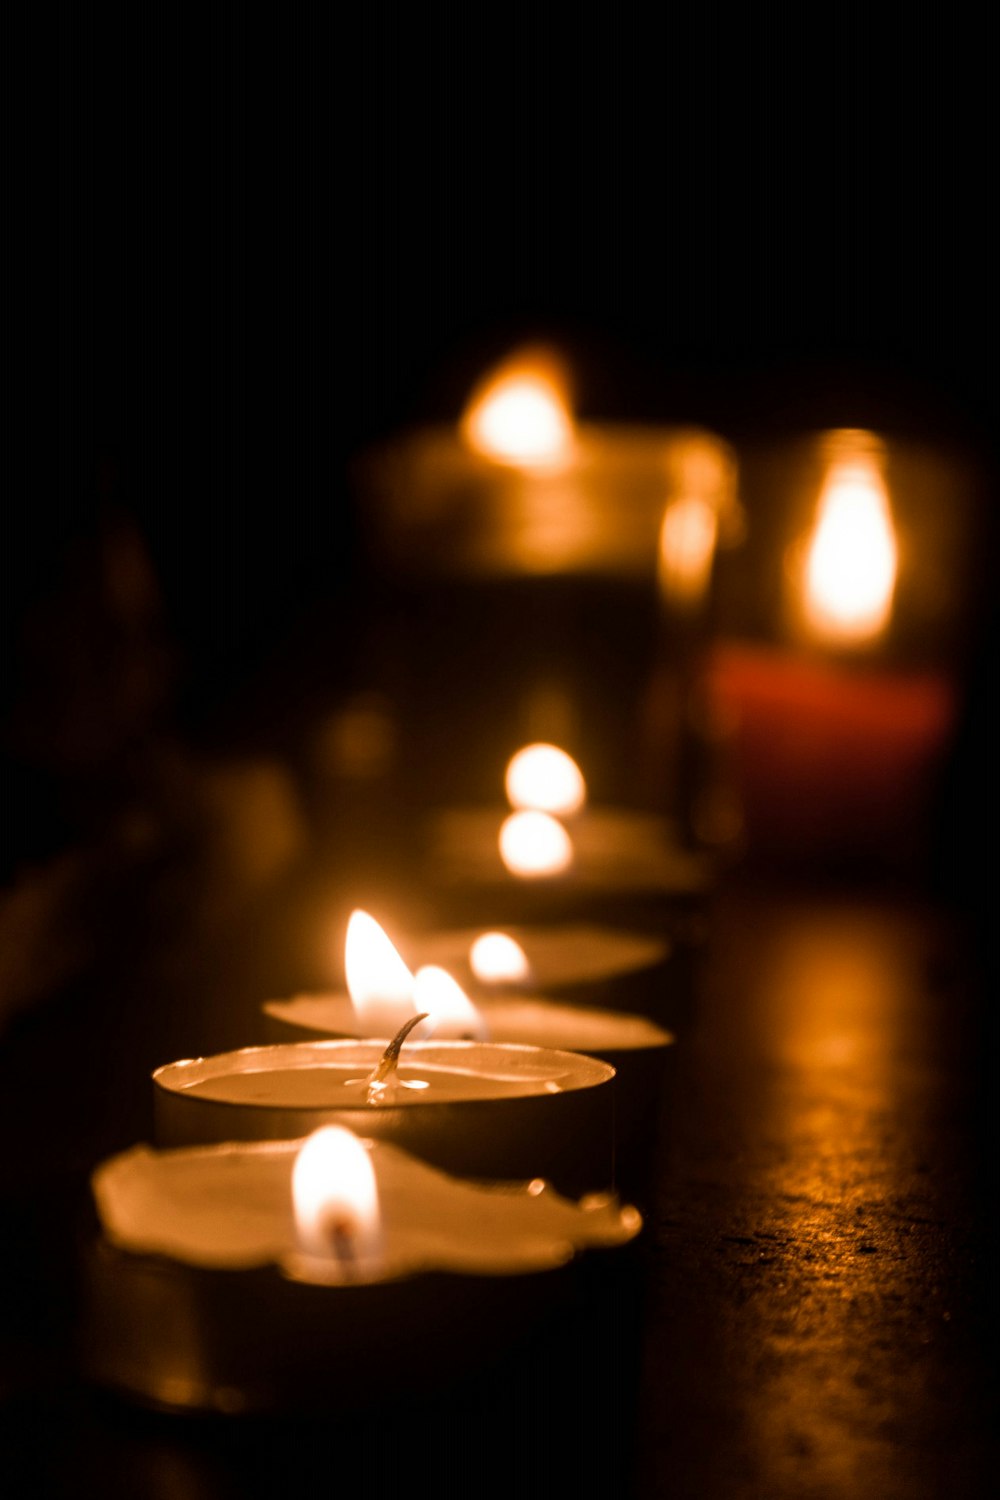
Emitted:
<point x="839" y="999"/>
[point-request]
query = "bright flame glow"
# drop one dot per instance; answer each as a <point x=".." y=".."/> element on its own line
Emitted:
<point x="533" y="844"/>
<point x="520" y="415"/>
<point x="335" y="1200"/>
<point x="496" y="958"/>
<point x="851" y="559"/>
<point x="453" y="1017"/>
<point x="687" y="546"/>
<point x="379" y="983"/>
<point x="546" y="779"/>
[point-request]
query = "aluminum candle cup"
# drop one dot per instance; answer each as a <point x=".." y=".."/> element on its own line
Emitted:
<point x="198" y="1296"/>
<point x="640" y="1052"/>
<point x="476" y="1109"/>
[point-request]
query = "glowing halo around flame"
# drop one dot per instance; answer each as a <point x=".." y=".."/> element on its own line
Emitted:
<point x="534" y="844"/>
<point x="335" y="1202"/>
<point x="378" y="981"/>
<point x="519" y="415"/>
<point x="544" y="778"/>
<point x="497" y="958"/>
<point x="453" y="1017"/>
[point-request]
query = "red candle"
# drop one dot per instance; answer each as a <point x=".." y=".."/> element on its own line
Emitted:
<point x="830" y="760"/>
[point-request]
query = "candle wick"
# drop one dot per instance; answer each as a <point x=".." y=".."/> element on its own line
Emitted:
<point x="384" y="1073"/>
<point x="342" y="1242"/>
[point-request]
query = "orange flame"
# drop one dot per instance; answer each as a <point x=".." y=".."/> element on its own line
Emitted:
<point x="520" y="414"/>
<point x="335" y="1201"/>
<point x="452" y="1014"/>
<point x="851" y="557"/>
<point x="497" y="958"/>
<point x="533" y="844"/>
<point x="546" y="779"/>
<point x="379" y="983"/>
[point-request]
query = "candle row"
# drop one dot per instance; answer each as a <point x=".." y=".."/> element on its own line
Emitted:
<point x="497" y="1152"/>
<point x="302" y="1191"/>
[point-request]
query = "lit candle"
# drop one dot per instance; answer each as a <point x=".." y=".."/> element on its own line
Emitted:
<point x="561" y="545"/>
<point x="582" y="959"/>
<point x="839" y="723"/>
<point x="545" y="492"/>
<point x="478" y="1109"/>
<point x="289" y="1275"/>
<point x="639" y="1051"/>
<point x="553" y="856"/>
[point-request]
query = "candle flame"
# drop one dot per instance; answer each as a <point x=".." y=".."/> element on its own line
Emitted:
<point x="851" y="556"/>
<point x="335" y="1201"/>
<point x="453" y="1017"/>
<point x="378" y="981"/>
<point x="534" y="844"/>
<point x="496" y="958"/>
<point x="545" y="779"/>
<point x="520" y="414"/>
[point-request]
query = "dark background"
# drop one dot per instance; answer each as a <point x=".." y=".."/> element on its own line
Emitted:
<point x="276" y="242"/>
<point x="266" y="241"/>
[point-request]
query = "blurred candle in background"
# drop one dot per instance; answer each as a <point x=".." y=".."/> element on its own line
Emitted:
<point x="837" y="679"/>
<point x="529" y="560"/>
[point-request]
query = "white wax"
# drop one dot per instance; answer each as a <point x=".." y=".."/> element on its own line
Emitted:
<point x="334" y="1074"/>
<point x="509" y="1019"/>
<point x="230" y="1207"/>
<point x="559" y="956"/>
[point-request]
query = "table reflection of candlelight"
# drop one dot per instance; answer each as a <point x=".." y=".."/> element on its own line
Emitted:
<point x="840" y="730"/>
<point x="286" y="1275"/>
<point x="532" y="556"/>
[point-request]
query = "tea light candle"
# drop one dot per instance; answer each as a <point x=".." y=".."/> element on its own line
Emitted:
<point x="565" y="546"/>
<point x="839" y="701"/>
<point x="550" y="856"/>
<point x="640" y="1053"/>
<point x="585" y="961"/>
<point x="211" y="1287"/>
<point x="522" y="486"/>
<point x="384" y="994"/>
<point x="477" y="1109"/>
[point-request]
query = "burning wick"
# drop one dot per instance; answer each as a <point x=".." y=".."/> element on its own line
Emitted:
<point x="335" y="1203"/>
<point x="383" y="1076"/>
<point x="340" y="1231"/>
